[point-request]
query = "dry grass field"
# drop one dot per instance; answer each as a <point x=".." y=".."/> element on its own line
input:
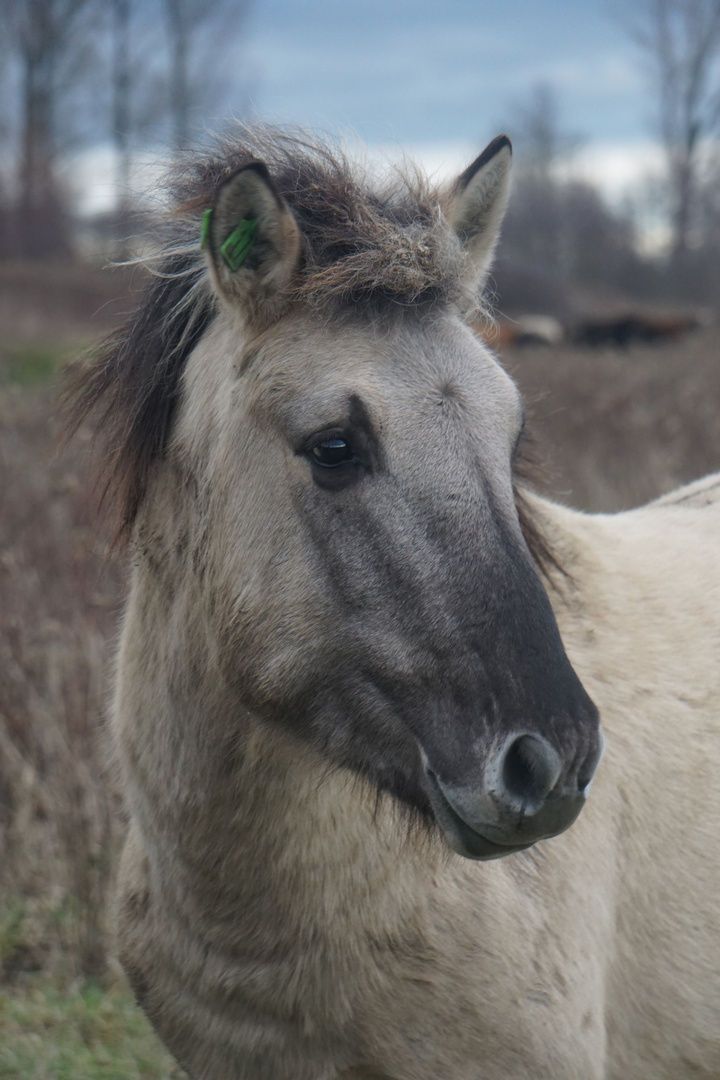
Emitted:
<point x="64" y="1009"/>
<point x="614" y="429"/>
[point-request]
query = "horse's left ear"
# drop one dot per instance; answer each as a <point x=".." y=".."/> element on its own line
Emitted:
<point x="252" y="242"/>
<point x="478" y="200"/>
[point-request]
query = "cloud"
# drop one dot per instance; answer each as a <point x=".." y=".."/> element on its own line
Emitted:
<point x="615" y="167"/>
<point x="421" y="71"/>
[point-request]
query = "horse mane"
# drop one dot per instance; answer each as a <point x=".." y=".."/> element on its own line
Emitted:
<point x="369" y="243"/>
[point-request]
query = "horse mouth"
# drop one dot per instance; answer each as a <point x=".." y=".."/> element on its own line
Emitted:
<point x="463" y="839"/>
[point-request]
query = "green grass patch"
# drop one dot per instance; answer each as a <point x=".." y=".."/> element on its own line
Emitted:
<point x="86" y="1033"/>
<point x="32" y="365"/>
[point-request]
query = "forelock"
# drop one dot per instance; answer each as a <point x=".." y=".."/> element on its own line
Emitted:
<point x="368" y="238"/>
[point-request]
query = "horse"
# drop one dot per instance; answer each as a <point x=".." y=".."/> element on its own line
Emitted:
<point x="647" y="328"/>
<point x="361" y="665"/>
<point x="522" y="331"/>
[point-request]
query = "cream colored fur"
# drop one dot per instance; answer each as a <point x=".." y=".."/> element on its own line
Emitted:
<point x="276" y="920"/>
<point x="359" y="950"/>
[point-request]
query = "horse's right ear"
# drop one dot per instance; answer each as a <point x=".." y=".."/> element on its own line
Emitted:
<point x="252" y="242"/>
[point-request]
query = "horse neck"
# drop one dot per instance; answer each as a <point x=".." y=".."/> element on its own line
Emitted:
<point x="237" y="814"/>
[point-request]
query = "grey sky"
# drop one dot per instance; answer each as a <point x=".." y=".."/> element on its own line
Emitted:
<point x="419" y="71"/>
<point x="438" y="79"/>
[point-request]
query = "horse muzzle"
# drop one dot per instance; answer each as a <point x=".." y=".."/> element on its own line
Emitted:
<point x="525" y="795"/>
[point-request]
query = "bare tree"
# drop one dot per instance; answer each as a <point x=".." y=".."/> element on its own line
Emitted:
<point x="559" y="233"/>
<point x="680" y="40"/>
<point x="536" y="223"/>
<point x="79" y="67"/>
<point x="543" y="145"/>
<point x="198" y="33"/>
<point x="121" y="82"/>
<point x="179" y="28"/>
<point x="51" y="44"/>
<point x="134" y="42"/>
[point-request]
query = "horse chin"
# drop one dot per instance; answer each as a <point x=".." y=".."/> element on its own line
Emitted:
<point x="460" y="836"/>
<point x="480" y="849"/>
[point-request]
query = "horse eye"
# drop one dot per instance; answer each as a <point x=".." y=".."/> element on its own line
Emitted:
<point x="332" y="452"/>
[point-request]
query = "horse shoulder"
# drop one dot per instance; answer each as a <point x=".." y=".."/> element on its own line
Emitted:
<point x="641" y="625"/>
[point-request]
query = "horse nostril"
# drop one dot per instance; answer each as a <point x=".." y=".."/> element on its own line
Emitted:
<point x="530" y="770"/>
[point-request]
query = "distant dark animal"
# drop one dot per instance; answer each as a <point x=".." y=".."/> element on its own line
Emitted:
<point x="341" y="686"/>
<point x="623" y="330"/>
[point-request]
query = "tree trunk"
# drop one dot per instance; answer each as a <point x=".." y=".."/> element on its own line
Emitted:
<point x="122" y="120"/>
<point x="179" y="89"/>
<point x="42" y="227"/>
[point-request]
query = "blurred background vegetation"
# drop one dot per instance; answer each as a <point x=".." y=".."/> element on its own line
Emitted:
<point x="607" y="318"/>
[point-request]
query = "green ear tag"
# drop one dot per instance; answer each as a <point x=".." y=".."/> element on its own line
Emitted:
<point x="205" y="227"/>
<point x="240" y="243"/>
